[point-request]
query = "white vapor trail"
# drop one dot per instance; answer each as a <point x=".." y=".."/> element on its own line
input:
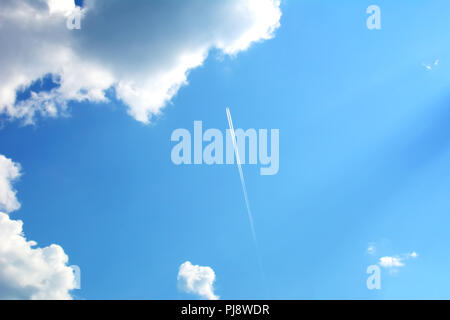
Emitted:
<point x="244" y="188"/>
<point x="247" y="203"/>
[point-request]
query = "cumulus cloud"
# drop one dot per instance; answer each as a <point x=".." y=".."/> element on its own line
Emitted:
<point x="142" y="50"/>
<point x="197" y="280"/>
<point x="27" y="271"/>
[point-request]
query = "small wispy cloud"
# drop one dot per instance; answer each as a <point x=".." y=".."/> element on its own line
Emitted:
<point x="391" y="262"/>
<point x="397" y="261"/>
<point x="371" y="249"/>
<point x="429" y="67"/>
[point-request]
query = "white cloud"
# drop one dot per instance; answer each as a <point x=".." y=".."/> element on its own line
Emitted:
<point x="391" y="262"/>
<point x="26" y="271"/>
<point x="371" y="249"/>
<point x="142" y="49"/>
<point x="197" y="280"/>
<point x="429" y="67"/>
<point x="397" y="261"/>
<point x="9" y="172"/>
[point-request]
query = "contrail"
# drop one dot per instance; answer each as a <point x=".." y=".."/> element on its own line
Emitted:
<point x="247" y="203"/>
<point x="238" y="160"/>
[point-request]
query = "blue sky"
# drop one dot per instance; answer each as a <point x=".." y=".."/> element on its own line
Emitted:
<point x="364" y="153"/>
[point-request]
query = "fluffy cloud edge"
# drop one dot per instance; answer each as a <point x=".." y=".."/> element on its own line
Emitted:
<point x="9" y="173"/>
<point x="195" y="279"/>
<point x="28" y="272"/>
<point x="85" y="77"/>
